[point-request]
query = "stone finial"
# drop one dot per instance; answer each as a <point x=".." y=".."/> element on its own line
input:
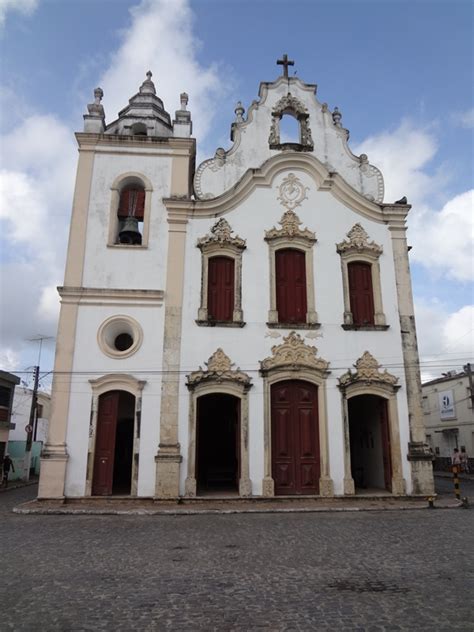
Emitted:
<point x="336" y="117"/>
<point x="184" y="98"/>
<point x="98" y="95"/>
<point x="148" y="87"/>
<point x="239" y="112"/>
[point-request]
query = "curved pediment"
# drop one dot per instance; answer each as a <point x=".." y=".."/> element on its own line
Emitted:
<point x="256" y="139"/>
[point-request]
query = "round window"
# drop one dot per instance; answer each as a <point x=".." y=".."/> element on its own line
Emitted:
<point x="119" y="336"/>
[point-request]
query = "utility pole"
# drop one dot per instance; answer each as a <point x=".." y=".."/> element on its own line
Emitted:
<point x="33" y="420"/>
<point x="29" y="427"/>
<point x="467" y="367"/>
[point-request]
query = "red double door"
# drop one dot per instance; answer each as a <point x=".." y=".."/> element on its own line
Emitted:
<point x="296" y="464"/>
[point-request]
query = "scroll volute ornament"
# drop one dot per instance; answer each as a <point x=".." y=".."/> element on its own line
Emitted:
<point x="218" y="369"/>
<point x="294" y="354"/>
<point x="221" y="234"/>
<point x="368" y="372"/>
<point x="290" y="228"/>
<point x="359" y="242"/>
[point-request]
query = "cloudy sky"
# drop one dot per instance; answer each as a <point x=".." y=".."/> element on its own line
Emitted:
<point x="400" y="72"/>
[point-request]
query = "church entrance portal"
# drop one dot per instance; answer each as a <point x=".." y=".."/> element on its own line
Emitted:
<point x="369" y="432"/>
<point x="218" y="443"/>
<point x="295" y="438"/>
<point x="114" y="444"/>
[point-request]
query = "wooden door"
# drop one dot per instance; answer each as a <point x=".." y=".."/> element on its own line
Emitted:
<point x="105" y="444"/>
<point x="220" y="296"/>
<point x="295" y="438"/>
<point x="386" y="446"/>
<point x="290" y="279"/>
<point x="361" y="293"/>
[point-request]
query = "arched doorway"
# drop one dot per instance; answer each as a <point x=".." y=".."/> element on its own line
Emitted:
<point x="218" y="443"/>
<point x="113" y="457"/>
<point x="296" y="466"/>
<point x="369" y="434"/>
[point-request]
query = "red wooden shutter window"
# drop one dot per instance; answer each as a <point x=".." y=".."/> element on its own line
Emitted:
<point x="290" y="275"/>
<point x="220" y="289"/>
<point x="361" y="293"/>
<point x="132" y="202"/>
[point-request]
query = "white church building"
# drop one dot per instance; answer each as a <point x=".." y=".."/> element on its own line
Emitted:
<point x="243" y="328"/>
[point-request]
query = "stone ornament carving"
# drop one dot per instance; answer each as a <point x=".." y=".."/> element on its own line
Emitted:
<point x="294" y="354"/>
<point x="359" y="242"/>
<point x="368" y="372"/>
<point x="290" y="105"/>
<point x="218" y="369"/>
<point x="221" y="234"/>
<point x="290" y="228"/>
<point x="292" y="192"/>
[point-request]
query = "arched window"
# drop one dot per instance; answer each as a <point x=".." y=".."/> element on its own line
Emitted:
<point x="139" y="129"/>
<point x="220" y="289"/>
<point x="290" y="280"/>
<point x="131" y="213"/>
<point x="361" y="293"/>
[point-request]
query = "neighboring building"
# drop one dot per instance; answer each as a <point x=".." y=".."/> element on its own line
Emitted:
<point x="193" y="298"/>
<point x="20" y="419"/>
<point x="449" y="417"/>
<point x="8" y="381"/>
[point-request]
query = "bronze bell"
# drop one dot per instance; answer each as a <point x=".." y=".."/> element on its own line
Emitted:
<point x="129" y="233"/>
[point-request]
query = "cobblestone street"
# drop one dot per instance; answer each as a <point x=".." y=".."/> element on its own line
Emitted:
<point x="397" y="570"/>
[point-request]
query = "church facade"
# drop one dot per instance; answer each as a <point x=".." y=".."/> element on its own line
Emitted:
<point x="241" y="328"/>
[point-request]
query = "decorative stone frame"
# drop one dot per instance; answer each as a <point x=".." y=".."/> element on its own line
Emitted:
<point x="293" y="106"/>
<point x="358" y="248"/>
<point x="290" y="235"/>
<point x="113" y="326"/>
<point x="295" y="360"/>
<point x="125" y="180"/>
<point x="219" y="377"/>
<point x="369" y="380"/>
<point x="220" y="242"/>
<point x="104" y="384"/>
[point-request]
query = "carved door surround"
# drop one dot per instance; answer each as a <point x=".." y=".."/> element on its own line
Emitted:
<point x="368" y="379"/>
<point x="219" y="376"/>
<point x="291" y="236"/>
<point x="101" y="385"/>
<point x="221" y="243"/>
<point x="295" y="360"/>
<point x="294" y="107"/>
<point x="358" y="248"/>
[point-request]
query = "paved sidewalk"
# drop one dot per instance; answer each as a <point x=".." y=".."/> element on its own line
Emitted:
<point x="148" y="506"/>
<point x="17" y="484"/>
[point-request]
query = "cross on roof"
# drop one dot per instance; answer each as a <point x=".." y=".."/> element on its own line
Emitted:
<point x="285" y="62"/>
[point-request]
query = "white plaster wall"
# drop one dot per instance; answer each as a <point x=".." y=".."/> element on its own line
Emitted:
<point x="330" y="220"/>
<point x="138" y="268"/>
<point x="91" y="363"/>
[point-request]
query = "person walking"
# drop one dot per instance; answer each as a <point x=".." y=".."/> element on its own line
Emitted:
<point x="7" y="466"/>
<point x="464" y="460"/>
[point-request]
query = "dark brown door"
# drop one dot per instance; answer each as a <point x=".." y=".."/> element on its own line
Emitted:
<point x="220" y="296"/>
<point x="102" y="480"/>
<point x="361" y="293"/>
<point x="386" y="448"/>
<point x="290" y="277"/>
<point x="295" y="438"/>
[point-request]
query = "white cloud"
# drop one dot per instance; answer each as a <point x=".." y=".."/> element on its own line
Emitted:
<point x="445" y="339"/>
<point x="27" y="7"/>
<point x="161" y="39"/>
<point x="36" y="186"/>
<point x="441" y="237"/>
<point x="466" y="119"/>
<point x="9" y="359"/>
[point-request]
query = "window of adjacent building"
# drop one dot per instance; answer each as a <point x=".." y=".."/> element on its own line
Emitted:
<point x="361" y="293"/>
<point x="290" y="277"/>
<point x="220" y="289"/>
<point x="39" y="410"/>
<point x="130" y="214"/>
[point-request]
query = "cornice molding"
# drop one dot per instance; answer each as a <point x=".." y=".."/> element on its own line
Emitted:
<point x="109" y="296"/>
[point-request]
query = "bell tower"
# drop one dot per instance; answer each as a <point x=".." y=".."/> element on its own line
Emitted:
<point x="116" y="298"/>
